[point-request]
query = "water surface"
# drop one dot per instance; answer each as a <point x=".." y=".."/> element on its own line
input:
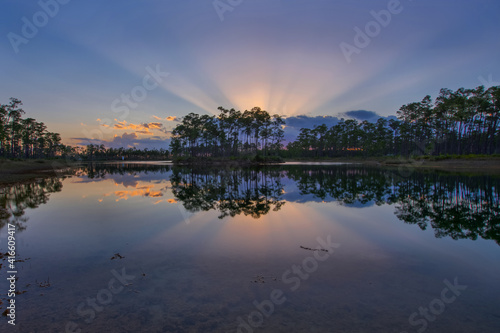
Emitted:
<point x="295" y="248"/>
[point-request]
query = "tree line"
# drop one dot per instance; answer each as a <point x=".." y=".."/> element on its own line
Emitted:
<point x="100" y="152"/>
<point x="231" y="133"/>
<point x="465" y="121"/>
<point x="25" y="137"/>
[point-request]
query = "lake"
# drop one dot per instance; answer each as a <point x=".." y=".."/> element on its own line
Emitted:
<point x="132" y="247"/>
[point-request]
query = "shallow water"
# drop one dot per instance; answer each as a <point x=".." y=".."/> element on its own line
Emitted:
<point x="295" y="248"/>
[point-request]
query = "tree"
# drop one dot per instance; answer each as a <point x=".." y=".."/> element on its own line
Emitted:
<point x="230" y="133"/>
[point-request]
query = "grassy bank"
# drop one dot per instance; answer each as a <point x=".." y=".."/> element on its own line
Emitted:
<point x="478" y="163"/>
<point x="455" y="162"/>
<point x="22" y="170"/>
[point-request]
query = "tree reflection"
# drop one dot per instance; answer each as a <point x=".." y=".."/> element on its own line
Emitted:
<point x="15" y="199"/>
<point x="100" y="170"/>
<point x="455" y="206"/>
<point x="344" y="183"/>
<point x="231" y="192"/>
<point x="458" y="207"/>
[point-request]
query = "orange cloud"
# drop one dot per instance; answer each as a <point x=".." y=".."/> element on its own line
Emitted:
<point x="143" y="191"/>
<point x="154" y="125"/>
<point x="169" y="118"/>
<point x="143" y="128"/>
<point x="139" y="189"/>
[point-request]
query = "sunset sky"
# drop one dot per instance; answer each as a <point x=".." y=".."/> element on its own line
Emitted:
<point x="124" y="72"/>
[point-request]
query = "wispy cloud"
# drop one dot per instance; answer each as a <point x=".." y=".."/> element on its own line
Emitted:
<point x="144" y="128"/>
<point x="169" y="118"/>
<point x="129" y="140"/>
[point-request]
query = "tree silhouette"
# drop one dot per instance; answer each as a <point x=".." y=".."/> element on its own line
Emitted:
<point x="465" y="121"/>
<point x="231" y="133"/>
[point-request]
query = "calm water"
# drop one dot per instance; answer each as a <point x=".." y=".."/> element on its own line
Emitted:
<point x="295" y="248"/>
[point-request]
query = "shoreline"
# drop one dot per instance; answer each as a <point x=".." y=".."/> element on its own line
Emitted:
<point x="477" y="164"/>
<point x="489" y="164"/>
<point x="24" y="170"/>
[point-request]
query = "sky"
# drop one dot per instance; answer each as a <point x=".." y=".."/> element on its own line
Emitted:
<point x="123" y="72"/>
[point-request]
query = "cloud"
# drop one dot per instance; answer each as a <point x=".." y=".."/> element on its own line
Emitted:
<point x="145" y="132"/>
<point x="303" y="121"/>
<point x="132" y="140"/>
<point x="87" y="141"/>
<point x="143" y="128"/>
<point x="169" y="118"/>
<point x="295" y="123"/>
<point x="127" y="140"/>
<point x="143" y="191"/>
<point x="153" y="126"/>
<point x="124" y="126"/>
<point x="362" y="115"/>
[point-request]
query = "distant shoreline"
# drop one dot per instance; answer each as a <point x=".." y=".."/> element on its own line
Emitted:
<point x="24" y="170"/>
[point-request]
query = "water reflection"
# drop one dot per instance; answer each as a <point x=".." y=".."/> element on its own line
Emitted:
<point x="15" y="199"/>
<point x="456" y="206"/>
<point x="231" y="192"/>
<point x="100" y="170"/>
<point x="460" y="208"/>
<point x="199" y="276"/>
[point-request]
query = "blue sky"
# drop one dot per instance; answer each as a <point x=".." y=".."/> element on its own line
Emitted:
<point x="75" y="71"/>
